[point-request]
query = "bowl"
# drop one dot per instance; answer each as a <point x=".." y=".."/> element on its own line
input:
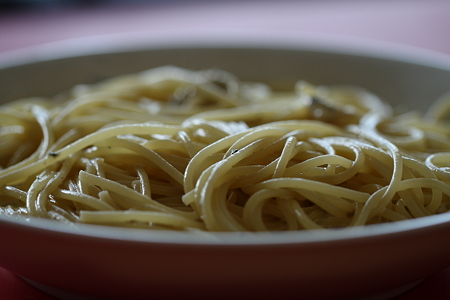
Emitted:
<point x="73" y="261"/>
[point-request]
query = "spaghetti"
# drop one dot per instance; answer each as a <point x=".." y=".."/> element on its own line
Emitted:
<point x="170" y="148"/>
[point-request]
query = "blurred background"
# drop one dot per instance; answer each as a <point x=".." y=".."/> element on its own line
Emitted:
<point x="419" y="23"/>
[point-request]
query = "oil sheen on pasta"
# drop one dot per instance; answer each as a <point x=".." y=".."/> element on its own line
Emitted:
<point x="171" y="148"/>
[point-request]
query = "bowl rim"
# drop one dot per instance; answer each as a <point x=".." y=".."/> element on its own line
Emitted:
<point x="205" y="238"/>
<point x="224" y="39"/>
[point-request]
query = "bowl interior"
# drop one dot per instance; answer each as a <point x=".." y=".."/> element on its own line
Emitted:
<point x="391" y="72"/>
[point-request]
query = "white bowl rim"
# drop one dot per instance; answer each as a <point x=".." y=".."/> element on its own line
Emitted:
<point x="224" y="38"/>
<point x="179" y="39"/>
<point x="346" y="235"/>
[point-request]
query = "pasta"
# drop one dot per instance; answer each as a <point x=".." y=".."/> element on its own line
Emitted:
<point x="175" y="149"/>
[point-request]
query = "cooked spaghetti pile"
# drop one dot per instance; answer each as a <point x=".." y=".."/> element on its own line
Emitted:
<point x="176" y="149"/>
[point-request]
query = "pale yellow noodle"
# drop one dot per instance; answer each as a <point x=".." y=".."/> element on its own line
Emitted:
<point x="103" y="217"/>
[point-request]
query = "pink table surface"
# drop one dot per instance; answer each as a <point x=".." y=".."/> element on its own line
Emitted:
<point x="418" y="23"/>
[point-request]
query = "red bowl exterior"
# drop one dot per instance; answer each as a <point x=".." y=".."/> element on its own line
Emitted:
<point x="115" y="269"/>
